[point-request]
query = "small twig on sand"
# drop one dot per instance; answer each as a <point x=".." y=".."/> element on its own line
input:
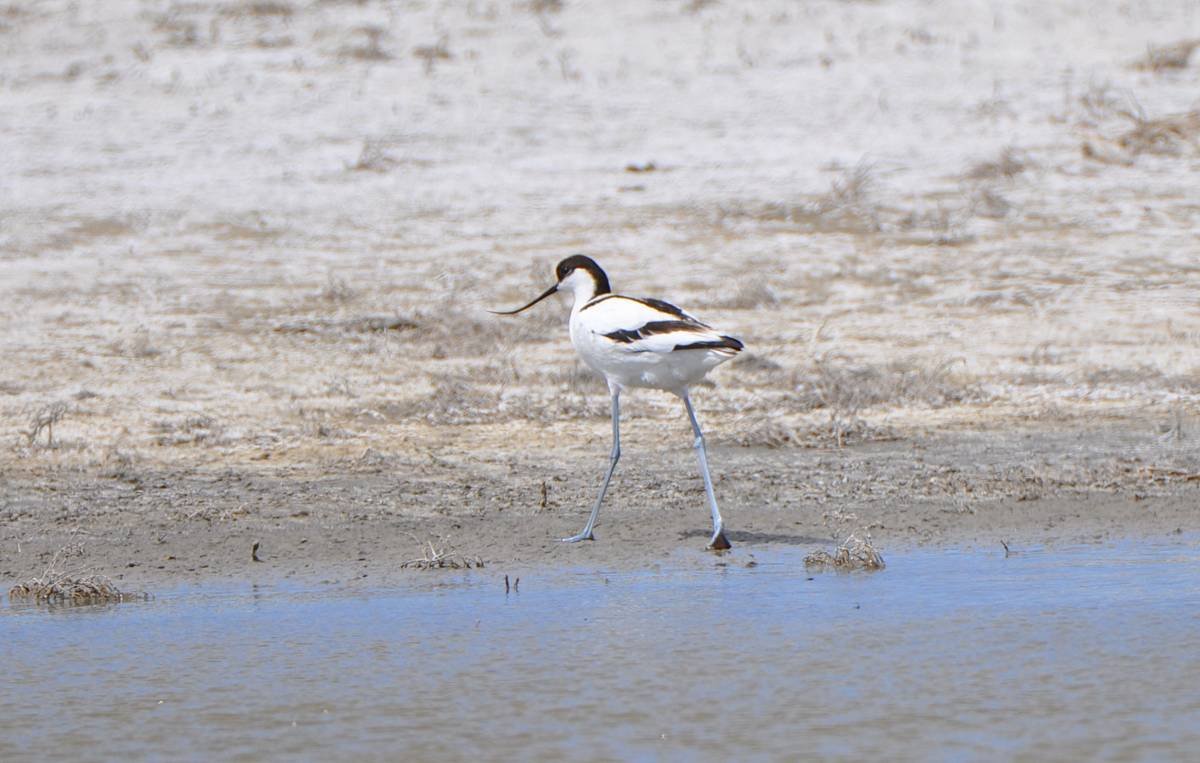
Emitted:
<point x="443" y="558"/>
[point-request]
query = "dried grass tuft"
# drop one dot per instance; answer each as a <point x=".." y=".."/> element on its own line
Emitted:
<point x="1009" y="164"/>
<point x="363" y="324"/>
<point x="842" y="391"/>
<point x="196" y="429"/>
<point x="67" y="588"/>
<point x="431" y="54"/>
<point x="45" y="418"/>
<point x="853" y="387"/>
<point x="373" y="157"/>
<point x="854" y="553"/>
<point x="371" y="46"/>
<point x="848" y="206"/>
<point x="455" y="401"/>
<point x="1169" y="135"/>
<point x="337" y="290"/>
<point x="766" y="432"/>
<point x="260" y="8"/>
<point x="63" y="587"/>
<point x="1173" y="56"/>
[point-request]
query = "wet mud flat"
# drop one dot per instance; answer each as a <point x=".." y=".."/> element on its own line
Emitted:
<point x="365" y="519"/>
<point x="1064" y="654"/>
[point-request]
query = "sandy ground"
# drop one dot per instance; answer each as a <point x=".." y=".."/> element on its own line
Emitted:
<point x="246" y="248"/>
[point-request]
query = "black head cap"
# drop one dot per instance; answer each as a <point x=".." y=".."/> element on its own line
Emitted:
<point x="580" y="262"/>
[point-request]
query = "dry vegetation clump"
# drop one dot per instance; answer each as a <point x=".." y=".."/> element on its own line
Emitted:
<point x="1170" y="135"/>
<point x="139" y="346"/>
<point x="577" y="379"/>
<point x="945" y="224"/>
<point x="1008" y="165"/>
<point x="848" y="206"/>
<point x="451" y="401"/>
<point x="853" y="205"/>
<point x="177" y="32"/>
<point x="849" y="201"/>
<point x="192" y="430"/>
<point x="1141" y="376"/>
<point x="990" y="203"/>
<point x="839" y="429"/>
<point x="431" y="54"/>
<point x="45" y="418"/>
<point x="337" y="290"/>
<point x="453" y="332"/>
<point x="843" y="391"/>
<point x="854" y="553"/>
<point x="370" y="324"/>
<point x="843" y="428"/>
<point x="545" y="6"/>
<point x="57" y="586"/>
<point x="68" y="588"/>
<point x="853" y="387"/>
<point x="1177" y="428"/>
<point x="763" y="431"/>
<point x="211" y="514"/>
<point x="443" y="327"/>
<point x="260" y="8"/>
<point x="550" y="406"/>
<point x="373" y="157"/>
<point x="1161" y="57"/>
<point x="441" y="558"/>
<point x="370" y="47"/>
<point x="460" y="400"/>
<point x="119" y="465"/>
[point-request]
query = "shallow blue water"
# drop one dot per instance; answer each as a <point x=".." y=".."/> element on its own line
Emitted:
<point x="1088" y="653"/>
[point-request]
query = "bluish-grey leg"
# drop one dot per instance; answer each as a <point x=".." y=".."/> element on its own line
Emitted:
<point x="586" y="533"/>
<point x="718" y="542"/>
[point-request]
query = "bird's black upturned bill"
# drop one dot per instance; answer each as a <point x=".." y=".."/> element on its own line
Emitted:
<point x="547" y="293"/>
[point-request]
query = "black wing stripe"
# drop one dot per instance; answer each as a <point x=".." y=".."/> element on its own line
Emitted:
<point x="725" y="343"/>
<point x="625" y="336"/>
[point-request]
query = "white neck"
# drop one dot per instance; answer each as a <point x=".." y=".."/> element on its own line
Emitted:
<point x="581" y="285"/>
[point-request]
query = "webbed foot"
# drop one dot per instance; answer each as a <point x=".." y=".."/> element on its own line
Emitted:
<point x="719" y="542"/>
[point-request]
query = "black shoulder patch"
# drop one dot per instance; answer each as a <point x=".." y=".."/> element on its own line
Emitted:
<point x="625" y="336"/>
<point x="597" y="300"/>
<point x="665" y="307"/>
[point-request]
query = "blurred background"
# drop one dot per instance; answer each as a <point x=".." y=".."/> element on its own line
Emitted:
<point x="261" y="231"/>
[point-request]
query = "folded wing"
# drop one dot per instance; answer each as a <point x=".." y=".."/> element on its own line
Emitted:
<point x="634" y="325"/>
